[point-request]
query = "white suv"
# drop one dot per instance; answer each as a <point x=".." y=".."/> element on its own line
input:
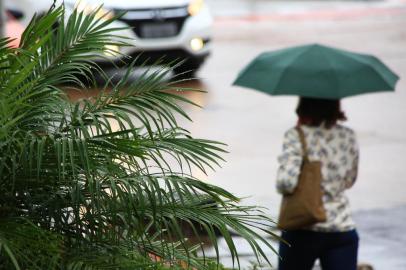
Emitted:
<point x="159" y="29"/>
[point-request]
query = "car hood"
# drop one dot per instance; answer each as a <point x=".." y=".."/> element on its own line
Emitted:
<point x="134" y="4"/>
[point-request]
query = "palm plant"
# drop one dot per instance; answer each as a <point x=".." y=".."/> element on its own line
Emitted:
<point x="102" y="183"/>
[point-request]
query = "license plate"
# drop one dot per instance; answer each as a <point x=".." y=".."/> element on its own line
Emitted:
<point x="158" y="30"/>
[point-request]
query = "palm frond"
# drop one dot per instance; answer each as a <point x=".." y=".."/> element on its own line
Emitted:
<point x="25" y="245"/>
<point x="108" y="181"/>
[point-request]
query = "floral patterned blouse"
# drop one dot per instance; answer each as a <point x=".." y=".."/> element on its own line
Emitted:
<point x="337" y="150"/>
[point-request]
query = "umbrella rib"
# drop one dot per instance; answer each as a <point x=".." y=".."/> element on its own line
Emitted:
<point x="371" y="67"/>
<point x="331" y="64"/>
<point x="287" y="68"/>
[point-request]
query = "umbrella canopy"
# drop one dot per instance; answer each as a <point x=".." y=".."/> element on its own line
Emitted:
<point x="317" y="71"/>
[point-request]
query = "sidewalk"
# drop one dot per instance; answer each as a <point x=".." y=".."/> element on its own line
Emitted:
<point x="382" y="237"/>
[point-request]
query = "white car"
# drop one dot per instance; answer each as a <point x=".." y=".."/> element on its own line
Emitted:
<point x="159" y="29"/>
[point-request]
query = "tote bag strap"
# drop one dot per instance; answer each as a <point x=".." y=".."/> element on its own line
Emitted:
<point x="303" y="143"/>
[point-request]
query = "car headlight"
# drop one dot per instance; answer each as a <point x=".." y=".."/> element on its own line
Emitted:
<point x="196" y="44"/>
<point x="195" y="7"/>
<point x="86" y="8"/>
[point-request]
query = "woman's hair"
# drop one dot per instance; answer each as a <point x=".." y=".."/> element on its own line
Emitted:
<point x="315" y="112"/>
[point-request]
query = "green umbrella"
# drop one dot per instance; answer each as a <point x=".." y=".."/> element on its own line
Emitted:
<point x="317" y="71"/>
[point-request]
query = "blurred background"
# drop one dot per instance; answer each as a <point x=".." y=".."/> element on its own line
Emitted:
<point x="217" y="38"/>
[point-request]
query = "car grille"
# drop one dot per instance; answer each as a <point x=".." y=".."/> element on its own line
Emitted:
<point x="155" y="23"/>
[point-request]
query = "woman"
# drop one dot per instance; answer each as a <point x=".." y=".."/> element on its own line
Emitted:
<point x="334" y="242"/>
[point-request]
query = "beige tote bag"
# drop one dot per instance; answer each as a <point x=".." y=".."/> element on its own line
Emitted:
<point x="305" y="206"/>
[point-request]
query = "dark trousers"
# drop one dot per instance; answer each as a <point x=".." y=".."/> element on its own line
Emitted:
<point x="336" y="251"/>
